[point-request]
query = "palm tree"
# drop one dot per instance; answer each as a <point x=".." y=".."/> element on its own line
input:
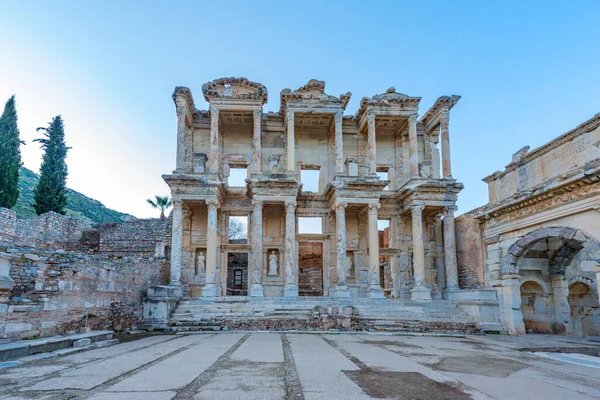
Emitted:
<point x="161" y="202"/>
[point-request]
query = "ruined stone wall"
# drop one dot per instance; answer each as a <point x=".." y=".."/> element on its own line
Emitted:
<point x="135" y="237"/>
<point x="66" y="270"/>
<point x="470" y="250"/>
<point x="55" y="289"/>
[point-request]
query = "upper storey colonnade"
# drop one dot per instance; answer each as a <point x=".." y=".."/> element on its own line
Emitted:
<point x="235" y="102"/>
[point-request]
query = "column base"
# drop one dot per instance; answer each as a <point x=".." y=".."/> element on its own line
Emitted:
<point x="290" y="291"/>
<point x="448" y="293"/>
<point x="209" y="290"/>
<point x="420" y="293"/>
<point x="405" y="293"/>
<point x="256" y="290"/>
<point x="339" y="291"/>
<point x="376" y="292"/>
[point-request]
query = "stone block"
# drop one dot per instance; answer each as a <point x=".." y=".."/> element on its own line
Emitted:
<point x="82" y="343"/>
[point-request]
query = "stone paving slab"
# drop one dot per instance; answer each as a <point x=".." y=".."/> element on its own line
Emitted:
<point x="317" y="366"/>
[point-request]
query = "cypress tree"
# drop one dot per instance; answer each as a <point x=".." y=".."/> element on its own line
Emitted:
<point x="51" y="192"/>
<point x="10" y="155"/>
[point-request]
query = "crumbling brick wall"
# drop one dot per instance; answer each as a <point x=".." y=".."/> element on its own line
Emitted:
<point x="470" y="250"/>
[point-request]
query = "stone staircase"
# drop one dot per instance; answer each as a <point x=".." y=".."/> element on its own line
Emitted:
<point x="391" y="315"/>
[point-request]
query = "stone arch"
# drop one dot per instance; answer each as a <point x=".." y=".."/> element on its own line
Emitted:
<point x="537" y="280"/>
<point x="588" y="282"/>
<point x="575" y="240"/>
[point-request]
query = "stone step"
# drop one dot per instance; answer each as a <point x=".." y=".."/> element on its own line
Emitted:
<point x="23" y="348"/>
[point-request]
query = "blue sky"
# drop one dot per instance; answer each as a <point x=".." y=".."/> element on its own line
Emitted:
<point x="526" y="71"/>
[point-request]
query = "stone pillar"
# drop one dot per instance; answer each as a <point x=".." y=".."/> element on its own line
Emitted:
<point x="210" y="288"/>
<point x="340" y="289"/>
<point x="562" y="310"/>
<point x="413" y="146"/>
<point x="374" y="271"/>
<point x="420" y="291"/>
<point x="339" y="144"/>
<point x="257" y="160"/>
<point x="446" y="165"/>
<point x="509" y="297"/>
<point x="256" y="290"/>
<point x="176" y="243"/>
<point x="439" y="259"/>
<point x="371" y="144"/>
<point x="181" y="136"/>
<point x="291" y="269"/>
<point x="213" y="156"/>
<point x="450" y="253"/>
<point x="291" y="156"/>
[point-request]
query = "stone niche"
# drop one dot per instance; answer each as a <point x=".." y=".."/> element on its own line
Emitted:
<point x="200" y="163"/>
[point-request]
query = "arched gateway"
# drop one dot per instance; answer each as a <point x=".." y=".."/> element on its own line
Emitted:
<point x="544" y="271"/>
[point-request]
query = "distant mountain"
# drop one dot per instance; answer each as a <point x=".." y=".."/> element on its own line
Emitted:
<point x="78" y="205"/>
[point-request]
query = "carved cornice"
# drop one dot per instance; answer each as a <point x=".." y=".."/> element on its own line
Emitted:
<point x="442" y="105"/>
<point x="493" y="213"/>
<point x="183" y="94"/>
<point x="314" y="92"/>
<point x="235" y="88"/>
<point x="579" y="130"/>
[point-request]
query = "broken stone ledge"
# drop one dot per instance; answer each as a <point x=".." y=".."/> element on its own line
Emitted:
<point x="24" y="348"/>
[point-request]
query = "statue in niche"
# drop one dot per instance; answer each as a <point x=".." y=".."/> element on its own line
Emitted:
<point x="273" y="264"/>
<point x="200" y="263"/>
<point x="349" y="265"/>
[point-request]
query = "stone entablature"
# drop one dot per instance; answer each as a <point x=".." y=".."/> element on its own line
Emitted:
<point x="311" y="132"/>
<point x="532" y="172"/>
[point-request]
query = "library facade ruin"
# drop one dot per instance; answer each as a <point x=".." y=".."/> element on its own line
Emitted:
<point x="336" y="205"/>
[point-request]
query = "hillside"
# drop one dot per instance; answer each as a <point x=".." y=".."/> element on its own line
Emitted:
<point x="77" y="204"/>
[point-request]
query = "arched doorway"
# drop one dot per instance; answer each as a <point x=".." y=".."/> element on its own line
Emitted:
<point x="555" y="267"/>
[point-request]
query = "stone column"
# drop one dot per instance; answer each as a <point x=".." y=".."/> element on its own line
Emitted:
<point x="439" y="250"/>
<point x="450" y="253"/>
<point x="257" y="161"/>
<point x="371" y="144"/>
<point x="413" y="146"/>
<point x="509" y="297"/>
<point x="340" y="289"/>
<point x="374" y="271"/>
<point x="181" y="137"/>
<point x="446" y="165"/>
<point x="176" y="243"/>
<point x="291" y="269"/>
<point x="291" y="151"/>
<point x="339" y="143"/>
<point x="256" y="290"/>
<point x="562" y="309"/>
<point x="210" y="288"/>
<point x="213" y="156"/>
<point x="419" y="291"/>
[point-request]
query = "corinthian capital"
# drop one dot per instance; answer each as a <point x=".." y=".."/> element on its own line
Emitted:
<point x="373" y="207"/>
<point x="449" y="211"/>
<point x="417" y="208"/>
<point x="340" y="207"/>
<point x="290" y="206"/>
<point x="413" y="117"/>
<point x="212" y="204"/>
<point x="445" y="118"/>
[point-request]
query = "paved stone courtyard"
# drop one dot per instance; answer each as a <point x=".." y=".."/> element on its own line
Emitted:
<point x="309" y="366"/>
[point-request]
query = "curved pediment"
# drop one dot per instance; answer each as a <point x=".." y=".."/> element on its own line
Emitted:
<point x="313" y="92"/>
<point x="389" y="98"/>
<point x="235" y="88"/>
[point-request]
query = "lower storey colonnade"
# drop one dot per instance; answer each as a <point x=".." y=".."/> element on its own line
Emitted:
<point x="414" y="257"/>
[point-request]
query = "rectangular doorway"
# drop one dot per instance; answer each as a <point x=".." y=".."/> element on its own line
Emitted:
<point x="237" y="274"/>
<point x="310" y="269"/>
